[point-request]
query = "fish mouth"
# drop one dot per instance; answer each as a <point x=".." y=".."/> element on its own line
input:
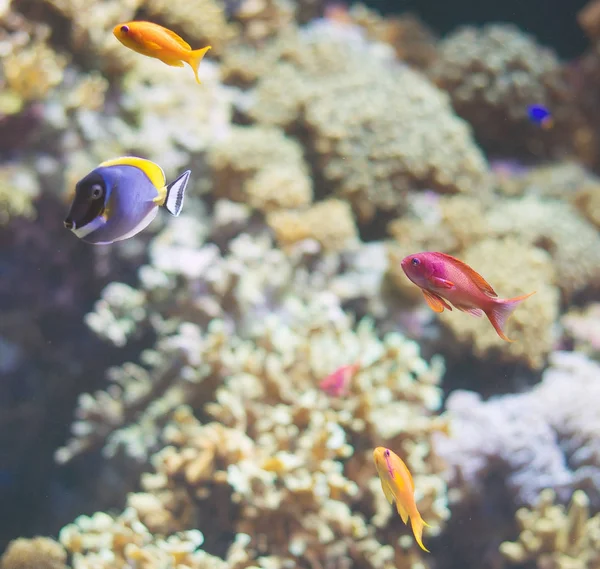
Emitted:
<point x="69" y="224"/>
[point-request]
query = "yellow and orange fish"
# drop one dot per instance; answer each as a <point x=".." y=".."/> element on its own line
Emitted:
<point x="161" y="43"/>
<point x="445" y="279"/>
<point x="398" y="486"/>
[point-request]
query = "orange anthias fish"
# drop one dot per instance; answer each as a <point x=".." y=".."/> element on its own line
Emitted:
<point x="445" y="279"/>
<point x="158" y="42"/>
<point x="398" y="486"/>
<point x="336" y="383"/>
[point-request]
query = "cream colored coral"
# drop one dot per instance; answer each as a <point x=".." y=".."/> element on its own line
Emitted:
<point x="18" y="189"/>
<point x="555" y="537"/>
<point x="39" y="552"/>
<point x="262" y="167"/>
<point x="512" y="269"/>
<point x="330" y="222"/>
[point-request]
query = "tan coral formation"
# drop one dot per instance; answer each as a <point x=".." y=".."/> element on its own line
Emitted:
<point x="372" y="127"/>
<point x="38" y="553"/>
<point x="493" y="74"/>
<point x="329" y="222"/>
<point x="531" y="325"/>
<point x="262" y="167"/>
<point x="554" y="537"/>
<point x="285" y="465"/>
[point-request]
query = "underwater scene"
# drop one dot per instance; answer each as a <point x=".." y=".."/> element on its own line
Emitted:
<point x="299" y="285"/>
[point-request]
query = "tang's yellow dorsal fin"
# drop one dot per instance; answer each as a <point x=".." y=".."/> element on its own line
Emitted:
<point x="152" y="170"/>
<point x="177" y="38"/>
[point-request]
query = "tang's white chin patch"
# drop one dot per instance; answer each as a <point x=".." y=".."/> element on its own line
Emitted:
<point x="84" y="231"/>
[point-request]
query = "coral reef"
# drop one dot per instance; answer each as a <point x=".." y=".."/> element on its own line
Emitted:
<point x="372" y="127"/>
<point x="262" y="167"/>
<point x="543" y="438"/>
<point x="555" y="537"/>
<point x="39" y="552"/>
<point x="493" y="75"/>
<point x="582" y="328"/>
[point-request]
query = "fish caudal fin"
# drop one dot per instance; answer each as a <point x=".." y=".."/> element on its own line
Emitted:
<point x="175" y="194"/>
<point x="501" y="310"/>
<point x="194" y="59"/>
<point x="417" y="525"/>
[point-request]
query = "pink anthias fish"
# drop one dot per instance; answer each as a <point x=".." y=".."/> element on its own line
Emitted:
<point x="445" y="279"/>
<point x="337" y="382"/>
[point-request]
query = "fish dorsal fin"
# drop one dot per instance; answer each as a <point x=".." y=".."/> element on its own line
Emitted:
<point x="473" y="275"/>
<point x="435" y="302"/>
<point x="153" y="171"/>
<point x="177" y="38"/>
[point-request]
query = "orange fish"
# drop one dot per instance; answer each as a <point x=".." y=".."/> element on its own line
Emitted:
<point x="398" y="486"/>
<point x="336" y="383"/>
<point x="158" y="42"/>
<point x="444" y="278"/>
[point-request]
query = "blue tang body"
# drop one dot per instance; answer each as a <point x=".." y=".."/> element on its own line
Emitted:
<point x="120" y="198"/>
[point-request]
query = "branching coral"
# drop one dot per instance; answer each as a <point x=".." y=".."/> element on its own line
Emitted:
<point x="493" y="74"/>
<point x="545" y="438"/>
<point x="280" y="466"/>
<point x="555" y="537"/>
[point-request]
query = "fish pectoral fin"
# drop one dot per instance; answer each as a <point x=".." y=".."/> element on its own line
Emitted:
<point x="473" y="311"/>
<point x="402" y="511"/>
<point x="387" y="492"/>
<point x="442" y="283"/>
<point x="435" y="302"/>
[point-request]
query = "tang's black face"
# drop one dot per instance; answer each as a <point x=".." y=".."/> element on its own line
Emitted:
<point x="89" y="201"/>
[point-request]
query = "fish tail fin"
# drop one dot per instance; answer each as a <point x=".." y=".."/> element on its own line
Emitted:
<point x="501" y="311"/>
<point x="417" y="525"/>
<point x="175" y="192"/>
<point x="195" y="58"/>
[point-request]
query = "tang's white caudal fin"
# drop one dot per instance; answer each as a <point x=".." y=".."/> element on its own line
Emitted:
<point x="175" y="194"/>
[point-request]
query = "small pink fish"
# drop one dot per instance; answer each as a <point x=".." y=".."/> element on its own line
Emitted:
<point x="444" y="279"/>
<point x="336" y="383"/>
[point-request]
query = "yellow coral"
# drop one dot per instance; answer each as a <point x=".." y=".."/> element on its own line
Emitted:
<point x="554" y="537"/>
<point x="513" y="269"/>
<point x="329" y="222"/>
<point x="39" y="552"/>
<point x="262" y="167"/>
<point x="18" y="189"/>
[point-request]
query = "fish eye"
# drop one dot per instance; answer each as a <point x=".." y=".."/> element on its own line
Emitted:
<point x="124" y="29"/>
<point x="415" y="262"/>
<point x="97" y="191"/>
<point x="386" y="453"/>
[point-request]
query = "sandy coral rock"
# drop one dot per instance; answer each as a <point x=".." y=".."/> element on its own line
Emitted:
<point x="262" y="167"/>
<point x="38" y="553"/>
<point x="329" y="222"/>
<point x="374" y="129"/>
<point x="493" y="74"/>
<point x="522" y="269"/>
<point x="555" y="537"/>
